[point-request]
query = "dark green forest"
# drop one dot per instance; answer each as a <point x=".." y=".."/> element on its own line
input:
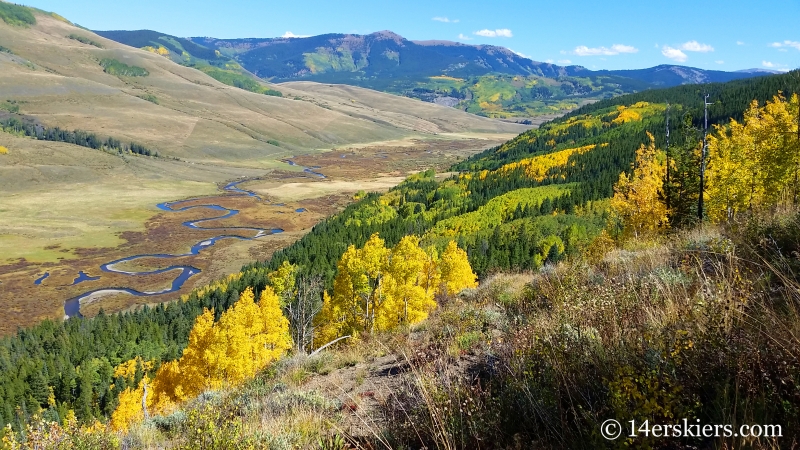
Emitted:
<point x="506" y="219"/>
<point x="18" y="125"/>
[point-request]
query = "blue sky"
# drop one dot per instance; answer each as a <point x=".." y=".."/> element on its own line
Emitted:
<point x="623" y="34"/>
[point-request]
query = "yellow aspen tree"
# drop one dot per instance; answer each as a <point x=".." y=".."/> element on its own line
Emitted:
<point x="455" y="270"/>
<point x="431" y="276"/>
<point x="130" y="409"/>
<point x="357" y="290"/>
<point x="638" y="199"/>
<point x="237" y="329"/>
<point x="754" y="164"/>
<point x="408" y="300"/>
<point x="275" y="340"/>
<point x="170" y="387"/>
<point x="775" y="131"/>
<point x="283" y="281"/>
<point x="733" y="172"/>
<point x="374" y="257"/>
<point x="203" y="358"/>
<point x="342" y="313"/>
<point x="331" y="322"/>
<point x="247" y="338"/>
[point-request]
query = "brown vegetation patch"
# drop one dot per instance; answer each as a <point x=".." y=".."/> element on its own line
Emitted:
<point x="361" y="163"/>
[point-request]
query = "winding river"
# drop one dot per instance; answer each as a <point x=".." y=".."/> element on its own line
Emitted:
<point x="182" y="272"/>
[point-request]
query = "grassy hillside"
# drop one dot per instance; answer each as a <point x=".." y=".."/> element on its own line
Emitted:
<point x="185" y="52"/>
<point x="197" y="118"/>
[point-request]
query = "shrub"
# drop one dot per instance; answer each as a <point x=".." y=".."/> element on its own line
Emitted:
<point x="114" y="67"/>
<point x="238" y="80"/>
<point x="150" y="98"/>
<point x="209" y="428"/>
<point x="84" y="40"/>
<point x="10" y="106"/>
<point x="3" y="150"/>
<point x="16" y="15"/>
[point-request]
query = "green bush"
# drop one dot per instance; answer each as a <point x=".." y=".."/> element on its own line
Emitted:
<point x="150" y="98"/>
<point x="10" y="106"/>
<point x="84" y="40"/>
<point x="114" y="67"/>
<point x="16" y="15"/>
<point x="238" y="80"/>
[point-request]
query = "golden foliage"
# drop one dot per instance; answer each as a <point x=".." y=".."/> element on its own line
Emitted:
<point x="638" y="200"/>
<point x="630" y="114"/>
<point x="283" y="281"/>
<point x="754" y="164"/>
<point x="247" y="338"/>
<point x="127" y="369"/>
<point x="41" y="433"/>
<point x="380" y="289"/>
<point x="538" y="167"/>
<point x="218" y="285"/>
<point x="455" y="270"/>
<point x="162" y="51"/>
<point x="3" y="150"/>
<point x="129" y="410"/>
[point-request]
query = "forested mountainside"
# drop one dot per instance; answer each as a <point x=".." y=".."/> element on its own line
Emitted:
<point x="537" y="199"/>
<point x="486" y="80"/>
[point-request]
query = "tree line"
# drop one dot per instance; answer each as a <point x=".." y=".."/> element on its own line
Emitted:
<point x="78" y="137"/>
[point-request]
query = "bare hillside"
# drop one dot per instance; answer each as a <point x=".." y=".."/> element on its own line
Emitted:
<point x="61" y="81"/>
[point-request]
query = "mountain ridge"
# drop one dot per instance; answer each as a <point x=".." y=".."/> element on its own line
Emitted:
<point x="486" y="80"/>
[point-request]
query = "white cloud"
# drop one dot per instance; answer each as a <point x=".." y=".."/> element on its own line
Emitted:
<point x="289" y="34"/>
<point x="520" y="54"/>
<point x="564" y="61"/>
<point x="739" y="43"/>
<point x="500" y="32"/>
<point x="615" y="49"/>
<point x="674" y="54"/>
<point x="463" y="37"/>
<point x="549" y="61"/>
<point x="445" y="20"/>
<point x="784" y="44"/>
<point x="775" y="66"/>
<point x="719" y="61"/>
<point x="694" y="46"/>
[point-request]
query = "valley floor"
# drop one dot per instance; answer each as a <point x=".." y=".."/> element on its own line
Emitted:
<point x="53" y="232"/>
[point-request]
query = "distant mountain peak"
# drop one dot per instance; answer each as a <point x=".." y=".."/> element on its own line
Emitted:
<point x="758" y="70"/>
<point x="386" y="34"/>
<point x="435" y="42"/>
